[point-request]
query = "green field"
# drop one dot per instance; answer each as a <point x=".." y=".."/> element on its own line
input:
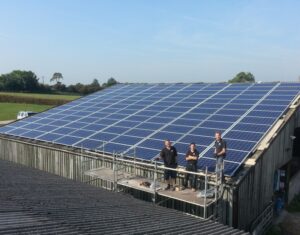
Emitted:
<point x="42" y="96"/>
<point x="8" y="111"/>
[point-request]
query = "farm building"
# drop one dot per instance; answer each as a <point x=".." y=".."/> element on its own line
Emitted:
<point x="111" y="138"/>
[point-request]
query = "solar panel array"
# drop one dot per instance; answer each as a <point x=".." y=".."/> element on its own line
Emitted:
<point x="134" y="119"/>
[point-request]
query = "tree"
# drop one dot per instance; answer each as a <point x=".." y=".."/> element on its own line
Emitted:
<point x="56" y="77"/>
<point x="14" y="83"/>
<point x="1" y="84"/>
<point x="30" y="81"/>
<point x="95" y="83"/>
<point x="243" y="77"/>
<point x="44" y="88"/>
<point x="59" y="87"/>
<point x="19" y="80"/>
<point x="110" y="82"/>
<point x="94" y="86"/>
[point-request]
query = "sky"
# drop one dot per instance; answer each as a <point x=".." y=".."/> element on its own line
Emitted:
<point x="151" y="41"/>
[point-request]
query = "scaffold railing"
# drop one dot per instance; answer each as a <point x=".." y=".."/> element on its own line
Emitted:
<point x="122" y="176"/>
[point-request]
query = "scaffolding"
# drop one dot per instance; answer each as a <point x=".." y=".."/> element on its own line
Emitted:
<point x="127" y="175"/>
<point x="219" y="190"/>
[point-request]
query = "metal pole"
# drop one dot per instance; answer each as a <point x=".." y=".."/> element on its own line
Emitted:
<point x="216" y="190"/>
<point x="154" y="181"/>
<point x="134" y="157"/>
<point x="114" y="169"/>
<point x="81" y="167"/>
<point x="205" y="192"/>
<point x="223" y="166"/>
<point x="103" y="152"/>
<point x="82" y="164"/>
<point x="103" y="148"/>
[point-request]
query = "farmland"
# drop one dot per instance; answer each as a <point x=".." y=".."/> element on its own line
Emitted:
<point x="41" y="96"/>
<point x="9" y="110"/>
<point x="12" y="103"/>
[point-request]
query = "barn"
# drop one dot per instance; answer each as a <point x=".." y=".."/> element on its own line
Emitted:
<point x="111" y="139"/>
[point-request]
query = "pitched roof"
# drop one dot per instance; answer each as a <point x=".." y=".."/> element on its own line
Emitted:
<point x="33" y="201"/>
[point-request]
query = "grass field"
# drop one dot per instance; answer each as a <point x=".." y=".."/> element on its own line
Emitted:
<point x="8" y="111"/>
<point x="42" y="96"/>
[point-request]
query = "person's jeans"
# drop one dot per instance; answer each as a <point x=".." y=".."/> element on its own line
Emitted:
<point x="192" y="177"/>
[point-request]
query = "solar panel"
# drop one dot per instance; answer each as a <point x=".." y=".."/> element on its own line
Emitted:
<point x="50" y="137"/>
<point x="135" y="119"/>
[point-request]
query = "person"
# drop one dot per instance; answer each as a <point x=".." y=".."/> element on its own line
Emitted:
<point x="191" y="158"/>
<point x="220" y="154"/>
<point x="169" y="155"/>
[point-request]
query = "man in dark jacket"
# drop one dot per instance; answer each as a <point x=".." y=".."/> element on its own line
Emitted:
<point x="191" y="158"/>
<point x="169" y="155"/>
<point x="220" y="154"/>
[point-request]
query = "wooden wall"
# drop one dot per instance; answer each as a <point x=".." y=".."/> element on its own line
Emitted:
<point x="63" y="163"/>
<point x="255" y="190"/>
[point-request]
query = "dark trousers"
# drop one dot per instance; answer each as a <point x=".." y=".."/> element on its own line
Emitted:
<point x="193" y="178"/>
<point x="219" y="168"/>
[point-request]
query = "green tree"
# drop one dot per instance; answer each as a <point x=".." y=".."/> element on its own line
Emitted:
<point x="59" y="87"/>
<point x="14" y="83"/>
<point x="77" y="88"/>
<point x="1" y="84"/>
<point x="56" y="77"/>
<point x="243" y="77"/>
<point x="95" y="83"/>
<point x="94" y="86"/>
<point x="110" y="82"/>
<point x="19" y="80"/>
<point x="30" y="81"/>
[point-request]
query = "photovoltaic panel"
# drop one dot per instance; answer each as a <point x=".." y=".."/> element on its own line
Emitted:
<point x="46" y="128"/>
<point x="134" y="119"/>
<point x="250" y="127"/>
<point x="50" y="137"/>
<point x="17" y="131"/>
<point x="244" y="135"/>
<point x="67" y="140"/>
<point x="186" y="122"/>
<point x="103" y="136"/>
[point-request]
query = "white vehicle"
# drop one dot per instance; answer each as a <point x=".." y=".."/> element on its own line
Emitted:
<point x="25" y="114"/>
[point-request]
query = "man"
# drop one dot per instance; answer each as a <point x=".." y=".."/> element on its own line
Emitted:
<point x="191" y="158"/>
<point x="220" y="154"/>
<point x="169" y="155"/>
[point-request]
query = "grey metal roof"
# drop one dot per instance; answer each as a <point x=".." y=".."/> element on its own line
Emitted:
<point x="36" y="202"/>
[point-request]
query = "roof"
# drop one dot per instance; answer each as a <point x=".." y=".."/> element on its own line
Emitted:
<point x="134" y="119"/>
<point x="36" y="202"/>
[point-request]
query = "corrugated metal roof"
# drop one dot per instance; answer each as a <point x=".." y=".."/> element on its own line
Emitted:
<point x="36" y="202"/>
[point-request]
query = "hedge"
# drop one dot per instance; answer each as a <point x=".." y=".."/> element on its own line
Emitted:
<point x="31" y="100"/>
